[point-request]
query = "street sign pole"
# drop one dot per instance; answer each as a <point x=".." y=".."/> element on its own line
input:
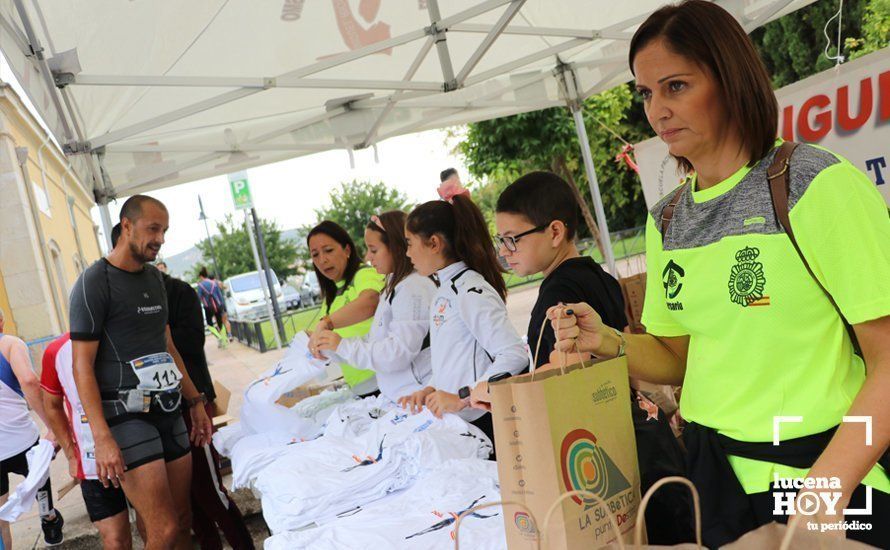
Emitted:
<point x="269" y="279"/>
<point x="267" y="290"/>
<point x="203" y="216"/>
<point x="240" y="186"/>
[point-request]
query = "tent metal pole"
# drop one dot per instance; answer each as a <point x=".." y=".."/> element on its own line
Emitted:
<point x="584" y="142"/>
<point x="172" y="116"/>
<point x="522" y="61"/>
<point x="394" y="98"/>
<point x="255" y="82"/>
<point x="519" y="30"/>
<point x="489" y="40"/>
<point x="45" y="71"/>
<point x="432" y="7"/>
<point x="105" y="215"/>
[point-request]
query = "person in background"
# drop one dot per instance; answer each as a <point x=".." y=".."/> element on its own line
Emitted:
<point x="470" y="334"/>
<point x="106" y="507"/>
<point x="397" y="347"/>
<point x="754" y="299"/>
<point x="220" y="291"/>
<point x="214" y="304"/>
<point x="449" y="174"/>
<point x="350" y="293"/>
<point x="212" y="506"/>
<point x="20" y="388"/>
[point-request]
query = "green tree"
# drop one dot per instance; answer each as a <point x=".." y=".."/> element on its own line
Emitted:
<point x="546" y="140"/>
<point x="875" y="30"/>
<point x="235" y="255"/>
<point x="793" y="46"/>
<point x="353" y="203"/>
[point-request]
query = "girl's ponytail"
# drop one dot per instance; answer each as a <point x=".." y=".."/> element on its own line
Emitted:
<point x="461" y="225"/>
<point x="473" y="245"/>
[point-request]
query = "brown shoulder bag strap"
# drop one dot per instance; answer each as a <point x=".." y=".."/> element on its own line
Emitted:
<point x="779" y="187"/>
<point x="668" y="213"/>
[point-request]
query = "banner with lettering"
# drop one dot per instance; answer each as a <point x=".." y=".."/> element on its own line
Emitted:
<point x="844" y="109"/>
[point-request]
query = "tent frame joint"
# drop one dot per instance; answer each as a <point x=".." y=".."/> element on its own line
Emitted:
<point x="63" y="80"/>
<point x="77" y="147"/>
<point x="104" y="196"/>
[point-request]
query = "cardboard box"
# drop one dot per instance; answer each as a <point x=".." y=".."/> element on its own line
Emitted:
<point x="294" y="396"/>
<point x="221" y="406"/>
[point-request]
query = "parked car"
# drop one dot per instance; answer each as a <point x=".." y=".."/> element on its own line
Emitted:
<point x="310" y="290"/>
<point x="292" y="298"/>
<point x="247" y="294"/>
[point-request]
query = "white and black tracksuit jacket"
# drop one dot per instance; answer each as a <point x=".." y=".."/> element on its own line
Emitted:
<point x="397" y="346"/>
<point x="470" y="334"/>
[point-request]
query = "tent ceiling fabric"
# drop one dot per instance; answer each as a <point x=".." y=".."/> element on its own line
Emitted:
<point x="165" y="92"/>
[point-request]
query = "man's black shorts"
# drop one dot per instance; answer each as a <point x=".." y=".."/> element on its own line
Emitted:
<point x="146" y="437"/>
<point x="102" y="503"/>
<point x="16" y="464"/>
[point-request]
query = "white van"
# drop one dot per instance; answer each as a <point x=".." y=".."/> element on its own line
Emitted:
<point x="247" y="295"/>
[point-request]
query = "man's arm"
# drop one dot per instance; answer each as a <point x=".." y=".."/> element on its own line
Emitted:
<point x="84" y="356"/>
<point x="109" y="460"/>
<point x="57" y="421"/>
<point x="202" y="428"/>
<point x="21" y="367"/>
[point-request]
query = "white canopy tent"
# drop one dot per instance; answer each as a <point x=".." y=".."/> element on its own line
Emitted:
<point x="146" y="94"/>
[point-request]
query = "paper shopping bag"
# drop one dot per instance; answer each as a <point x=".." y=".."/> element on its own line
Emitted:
<point x="563" y="430"/>
<point x="633" y="290"/>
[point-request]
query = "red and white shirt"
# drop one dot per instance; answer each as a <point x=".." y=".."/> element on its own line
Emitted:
<point x="57" y="378"/>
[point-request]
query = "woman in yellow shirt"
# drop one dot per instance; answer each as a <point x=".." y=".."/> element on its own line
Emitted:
<point x="350" y="292"/>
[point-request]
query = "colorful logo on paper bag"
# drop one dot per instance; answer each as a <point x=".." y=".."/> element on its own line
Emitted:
<point x="587" y="467"/>
<point x="525" y="524"/>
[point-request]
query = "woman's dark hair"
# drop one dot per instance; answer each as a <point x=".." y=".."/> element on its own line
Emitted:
<point x="461" y="225"/>
<point x="334" y="231"/>
<point x="203" y="272"/>
<point x="541" y="197"/>
<point x="708" y="35"/>
<point x="393" y="236"/>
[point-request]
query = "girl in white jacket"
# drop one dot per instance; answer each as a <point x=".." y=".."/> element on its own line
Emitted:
<point x="397" y="346"/>
<point x="470" y="334"/>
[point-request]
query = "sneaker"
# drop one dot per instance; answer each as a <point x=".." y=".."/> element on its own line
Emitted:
<point x="52" y="530"/>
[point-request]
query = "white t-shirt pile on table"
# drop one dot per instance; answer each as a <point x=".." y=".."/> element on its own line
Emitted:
<point x="260" y="412"/>
<point x="251" y="453"/>
<point x="421" y="517"/>
<point x="316" y="480"/>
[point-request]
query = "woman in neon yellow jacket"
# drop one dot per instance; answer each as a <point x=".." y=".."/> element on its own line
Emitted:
<point x="350" y="292"/>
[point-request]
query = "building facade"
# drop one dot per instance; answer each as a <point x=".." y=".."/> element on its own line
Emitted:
<point x="47" y="235"/>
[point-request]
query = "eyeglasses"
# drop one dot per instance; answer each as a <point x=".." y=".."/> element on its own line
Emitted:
<point x="510" y="241"/>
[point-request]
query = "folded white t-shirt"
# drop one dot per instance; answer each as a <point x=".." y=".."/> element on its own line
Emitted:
<point x="421" y="517"/>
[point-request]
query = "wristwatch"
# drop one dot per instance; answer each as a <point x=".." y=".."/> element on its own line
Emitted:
<point x="201" y="398"/>
<point x="622" y="345"/>
<point x="464" y="392"/>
